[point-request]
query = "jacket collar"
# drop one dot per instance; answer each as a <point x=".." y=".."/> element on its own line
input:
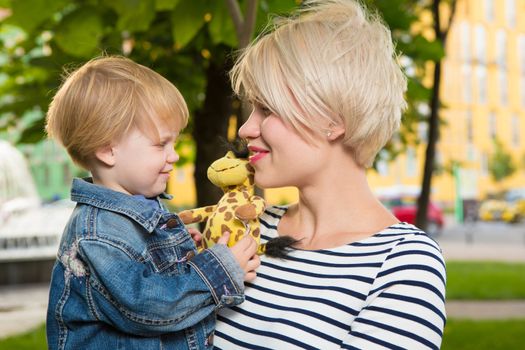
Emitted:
<point x="84" y="191"/>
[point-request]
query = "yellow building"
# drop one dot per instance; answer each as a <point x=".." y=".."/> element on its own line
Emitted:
<point x="483" y="91"/>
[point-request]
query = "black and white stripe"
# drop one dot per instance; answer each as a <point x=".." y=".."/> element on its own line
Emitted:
<point x="384" y="292"/>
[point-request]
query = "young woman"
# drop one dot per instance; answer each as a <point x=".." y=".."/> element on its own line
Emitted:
<point x="327" y="95"/>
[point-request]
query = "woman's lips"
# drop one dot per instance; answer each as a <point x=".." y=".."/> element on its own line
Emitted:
<point x="257" y="153"/>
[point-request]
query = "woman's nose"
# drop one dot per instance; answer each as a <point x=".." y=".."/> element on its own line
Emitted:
<point x="251" y="128"/>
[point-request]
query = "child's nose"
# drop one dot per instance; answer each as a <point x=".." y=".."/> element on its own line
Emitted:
<point x="172" y="156"/>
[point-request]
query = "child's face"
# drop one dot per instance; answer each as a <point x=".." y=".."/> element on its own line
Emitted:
<point x="142" y="164"/>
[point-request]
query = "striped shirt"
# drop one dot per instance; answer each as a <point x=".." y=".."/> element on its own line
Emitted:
<point x="386" y="291"/>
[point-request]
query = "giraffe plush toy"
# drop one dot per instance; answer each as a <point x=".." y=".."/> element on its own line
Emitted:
<point x="238" y="209"/>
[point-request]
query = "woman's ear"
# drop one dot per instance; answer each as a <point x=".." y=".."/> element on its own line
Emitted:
<point x="106" y="155"/>
<point x="335" y="132"/>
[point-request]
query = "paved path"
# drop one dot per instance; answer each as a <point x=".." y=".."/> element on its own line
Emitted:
<point x="482" y="251"/>
<point x="486" y="310"/>
<point x="22" y="308"/>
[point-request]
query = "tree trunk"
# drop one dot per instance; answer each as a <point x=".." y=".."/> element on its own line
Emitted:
<point x="433" y="123"/>
<point x="430" y="155"/>
<point x="210" y="129"/>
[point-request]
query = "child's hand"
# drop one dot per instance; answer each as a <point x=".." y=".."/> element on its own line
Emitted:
<point x="244" y="252"/>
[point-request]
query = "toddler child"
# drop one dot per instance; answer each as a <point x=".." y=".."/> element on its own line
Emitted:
<point x="126" y="275"/>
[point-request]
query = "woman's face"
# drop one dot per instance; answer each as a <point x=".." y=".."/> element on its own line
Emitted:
<point x="279" y="154"/>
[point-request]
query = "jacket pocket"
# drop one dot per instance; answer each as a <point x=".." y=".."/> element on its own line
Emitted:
<point x="171" y="254"/>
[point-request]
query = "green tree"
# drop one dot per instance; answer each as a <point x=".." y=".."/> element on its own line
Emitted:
<point x="500" y="164"/>
<point x="189" y="42"/>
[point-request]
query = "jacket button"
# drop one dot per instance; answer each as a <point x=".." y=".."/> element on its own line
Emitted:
<point x="209" y="340"/>
<point x="190" y="255"/>
<point x="172" y="223"/>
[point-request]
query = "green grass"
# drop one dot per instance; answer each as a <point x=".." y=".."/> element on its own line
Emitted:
<point x="481" y="335"/>
<point x="485" y="280"/>
<point x="33" y="340"/>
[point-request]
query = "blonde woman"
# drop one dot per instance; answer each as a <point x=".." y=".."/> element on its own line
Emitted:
<point x="327" y="95"/>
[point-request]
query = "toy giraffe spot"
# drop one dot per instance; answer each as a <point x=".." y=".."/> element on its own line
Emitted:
<point x="235" y="177"/>
<point x="240" y="234"/>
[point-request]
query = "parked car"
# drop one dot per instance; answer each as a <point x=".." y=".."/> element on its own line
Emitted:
<point x="507" y="207"/>
<point x="405" y="209"/>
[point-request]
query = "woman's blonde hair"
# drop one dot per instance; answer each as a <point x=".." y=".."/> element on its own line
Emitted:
<point x="99" y="102"/>
<point x="330" y="63"/>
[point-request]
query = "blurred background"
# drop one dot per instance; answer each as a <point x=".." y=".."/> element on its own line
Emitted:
<point x="456" y="168"/>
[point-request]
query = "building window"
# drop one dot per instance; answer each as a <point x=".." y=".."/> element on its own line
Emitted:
<point x="464" y="40"/>
<point x="484" y="164"/>
<point x="515" y="123"/>
<point x="522" y="90"/>
<point x="411" y="162"/>
<point x="501" y="48"/>
<point x="481" y="72"/>
<point x="503" y="87"/>
<point x="489" y="10"/>
<point x="469" y="126"/>
<point x="521" y="53"/>
<point x="422" y="131"/>
<point x="492" y="125"/>
<point x="466" y="72"/>
<point x="481" y="43"/>
<point x="471" y="152"/>
<point x="510" y="12"/>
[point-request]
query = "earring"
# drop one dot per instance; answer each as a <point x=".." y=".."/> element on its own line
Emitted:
<point x="328" y="134"/>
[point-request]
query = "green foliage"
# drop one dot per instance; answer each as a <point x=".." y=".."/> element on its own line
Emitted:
<point x="485" y="280"/>
<point x="86" y="40"/>
<point x="135" y="15"/>
<point x="177" y="38"/>
<point x="501" y="164"/>
<point x="29" y="15"/>
<point x="483" y="335"/>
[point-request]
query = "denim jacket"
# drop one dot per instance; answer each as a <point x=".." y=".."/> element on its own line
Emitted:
<point x="127" y="276"/>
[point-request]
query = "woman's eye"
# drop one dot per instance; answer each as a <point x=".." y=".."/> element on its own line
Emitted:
<point x="266" y="111"/>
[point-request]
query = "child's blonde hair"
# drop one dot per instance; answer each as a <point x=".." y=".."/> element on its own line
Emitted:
<point x="99" y="102"/>
<point x="331" y="63"/>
